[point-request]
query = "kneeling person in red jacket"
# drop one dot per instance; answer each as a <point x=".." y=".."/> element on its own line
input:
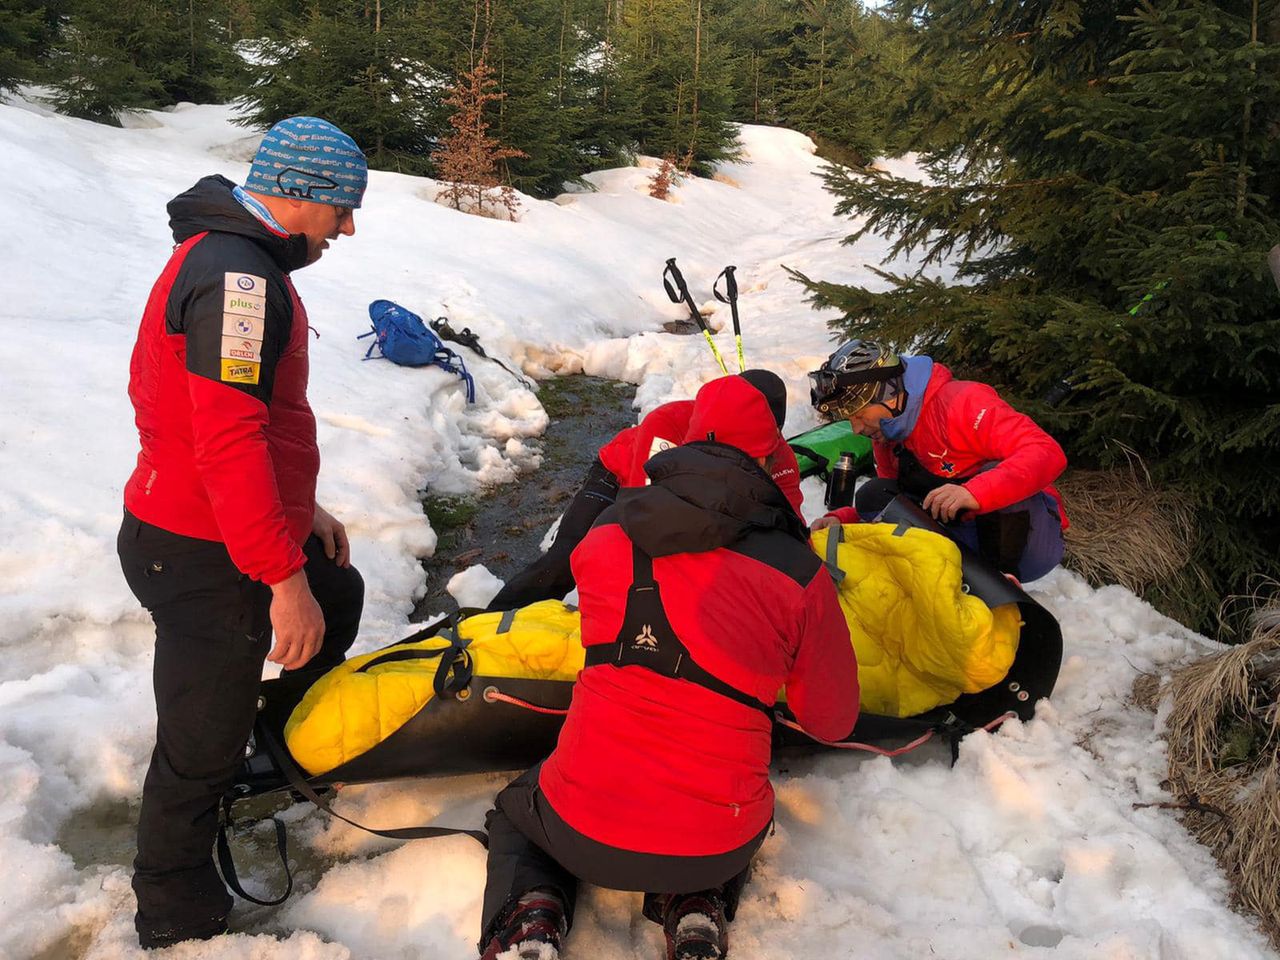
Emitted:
<point x="621" y="464"/>
<point x="700" y="599"/>
<point x="954" y="447"/>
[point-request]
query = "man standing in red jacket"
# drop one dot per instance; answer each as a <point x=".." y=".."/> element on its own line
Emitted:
<point x="621" y="464"/>
<point x="222" y="539"/>
<point x="954" y="447"/>
<point x="700" y="599"/>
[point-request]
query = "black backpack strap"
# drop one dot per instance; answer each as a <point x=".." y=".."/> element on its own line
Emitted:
<point x="647" y="640"/>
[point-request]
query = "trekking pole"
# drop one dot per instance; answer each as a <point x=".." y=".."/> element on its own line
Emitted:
<point x="730" y="297"/>
<point x="672" y="274"/>
<point x="1273" y="259"/>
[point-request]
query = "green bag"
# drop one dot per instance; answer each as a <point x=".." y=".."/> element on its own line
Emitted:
<point x="817" y="450"/>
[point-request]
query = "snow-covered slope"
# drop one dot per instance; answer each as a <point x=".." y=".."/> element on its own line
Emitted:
<point x="1030" y="846"/>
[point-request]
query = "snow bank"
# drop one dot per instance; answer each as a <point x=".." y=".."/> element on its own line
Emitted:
<point x="1032" y="843"/>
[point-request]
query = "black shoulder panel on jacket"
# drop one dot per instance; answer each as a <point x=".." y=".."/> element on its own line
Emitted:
<point x="782" y="552"/>
<point x="230" y="301"/>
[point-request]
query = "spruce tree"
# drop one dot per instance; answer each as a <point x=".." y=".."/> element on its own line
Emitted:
<point x="362" y="65"/>
<point x="1109" y="180"/>
<point x="114" y="55"/>
<point x="679" y="72"/>
<point x="549" y="67"/>
<point x="27" y="28"/>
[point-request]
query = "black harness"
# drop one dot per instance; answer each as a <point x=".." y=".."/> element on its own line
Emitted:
<point x="648" y="640"/>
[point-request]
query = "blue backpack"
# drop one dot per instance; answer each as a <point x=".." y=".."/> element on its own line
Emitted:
<point x="403" y="338"/>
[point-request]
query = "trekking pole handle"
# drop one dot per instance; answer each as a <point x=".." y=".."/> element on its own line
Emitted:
<point x="673" y="272"/>
<point x="730" y="295"/>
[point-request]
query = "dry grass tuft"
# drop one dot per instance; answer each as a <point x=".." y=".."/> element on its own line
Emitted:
<point x="1147" y="690"/>
<point x="1123" y="529"/>
<point x="1224" y="762"/>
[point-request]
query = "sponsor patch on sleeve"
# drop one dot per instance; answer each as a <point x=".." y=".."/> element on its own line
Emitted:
<point x="245" y="283"/>
<point x="238" y="371"/>
<point x="244" y="304"/>
<point x="249" y="328"/>
<point x="238" y="348"/>
<point x="659" y="444"/>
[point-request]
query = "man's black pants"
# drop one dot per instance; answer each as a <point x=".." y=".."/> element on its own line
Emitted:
<point x="530" y="846"/>
<point x="213" y="632"/>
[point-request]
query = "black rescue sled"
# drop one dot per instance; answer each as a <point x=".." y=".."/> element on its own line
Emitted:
<point x="479" y="723"/>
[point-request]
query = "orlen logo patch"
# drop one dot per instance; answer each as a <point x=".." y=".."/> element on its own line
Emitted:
<point x="236" y="348"/>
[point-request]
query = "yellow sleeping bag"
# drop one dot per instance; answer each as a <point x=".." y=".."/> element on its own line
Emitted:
<point x="921" y="639"/>
<point x="354" y="707"/>
<point x="921" y="642"/>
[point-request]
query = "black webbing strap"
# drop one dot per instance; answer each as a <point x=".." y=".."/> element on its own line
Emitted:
<point x="228" y="865"/>
<point x="299" y="782"/>
<point x="461" y="668"/>
<point x="848" y="378"/>
<point x="819" y="461"/>
<point x="452" y="673"/>
<point x="647" y="640"/>
<point x="835" y="535"/>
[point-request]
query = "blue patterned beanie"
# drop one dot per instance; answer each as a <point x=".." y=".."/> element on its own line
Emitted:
<point x="307" y="158"/>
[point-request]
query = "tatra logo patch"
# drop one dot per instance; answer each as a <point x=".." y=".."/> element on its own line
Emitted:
<point x="249" y="328"/>
<point x="244" y="304"/>
<point x="234" y="371"/>
<point x="245" y="283"/>
<point x="238" y="348"/>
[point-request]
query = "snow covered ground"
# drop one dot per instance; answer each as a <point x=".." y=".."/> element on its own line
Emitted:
<point x="1033" y="845"/>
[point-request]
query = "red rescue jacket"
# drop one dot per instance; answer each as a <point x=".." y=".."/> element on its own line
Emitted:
<point x="966" y="434"/>
<point x="218" y="382"/>
<point x="653" y="764"/>
<point x="665" y="427"/>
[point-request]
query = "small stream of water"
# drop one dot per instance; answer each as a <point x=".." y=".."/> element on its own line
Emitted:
<point x="503" y="527"/>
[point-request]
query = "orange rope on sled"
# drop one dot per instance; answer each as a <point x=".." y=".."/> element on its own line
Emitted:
<point x="881" y="751"/>
<point x="494" y="695"/>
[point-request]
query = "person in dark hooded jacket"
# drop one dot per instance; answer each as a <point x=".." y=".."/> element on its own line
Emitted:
<point x="222" y="539"/>
<point x="700" y="599"/>
<point x="620" y="464"/>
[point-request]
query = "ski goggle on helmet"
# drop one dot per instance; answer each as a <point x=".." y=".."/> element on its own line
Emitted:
<point x="858" y="373"/>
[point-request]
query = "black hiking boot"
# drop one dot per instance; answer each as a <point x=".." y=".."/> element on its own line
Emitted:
<point x="695" y="927"/>
<point x="158" y="936"/>
<point x="533" y="930"/>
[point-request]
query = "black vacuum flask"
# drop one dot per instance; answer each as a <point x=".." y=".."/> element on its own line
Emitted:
<point x="840" y="482"/>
